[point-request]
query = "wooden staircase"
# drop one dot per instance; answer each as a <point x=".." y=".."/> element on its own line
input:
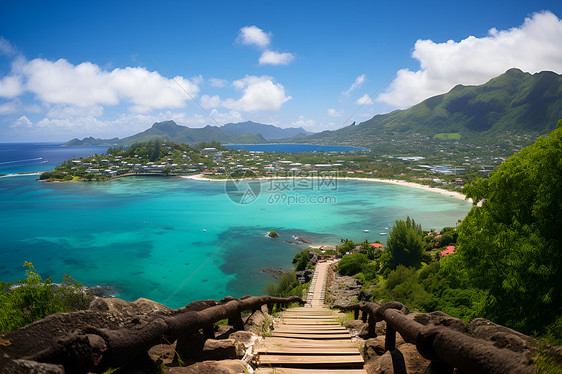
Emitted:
<point x="310" y="339"/>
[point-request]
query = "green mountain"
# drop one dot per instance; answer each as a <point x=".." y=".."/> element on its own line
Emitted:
<point x="170" y="131"/>
<point x="267" y="131"/>
<point x="89" y="141"/>
<point x="515" y="101"/>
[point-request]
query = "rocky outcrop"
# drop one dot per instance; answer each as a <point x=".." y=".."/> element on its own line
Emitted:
<point x="304" y="276"/>
<point x="343" y="289"/>
<point x="406" y="356"/>
<point x="211" y="367"/>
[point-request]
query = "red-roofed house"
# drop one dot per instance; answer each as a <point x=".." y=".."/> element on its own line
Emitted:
<point x="450" y="249"/>
<point x="376" y="245"/>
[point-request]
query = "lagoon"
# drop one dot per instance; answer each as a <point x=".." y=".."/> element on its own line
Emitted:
<point x="175" y="240"/>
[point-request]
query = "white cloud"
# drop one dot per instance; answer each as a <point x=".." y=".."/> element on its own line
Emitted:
<point x="216" y="82"/>
<point x="275" y="58"/>
<point x="304" y="122"/>
<point x="6" y="48"/>
<point x="10" y="87"/>
<point x="364" y="100"/>
<point x="260" y="93"/>
<point x="532" y="47"/>
<point x="87" y="85"/>
<point x="65" y="111"/>
<point x="210" y="101"/>
<point x="253" y="35"/>
<point x="358" y="82"/>
<point x="23" y="121"/>
<point x="334" y="113"/>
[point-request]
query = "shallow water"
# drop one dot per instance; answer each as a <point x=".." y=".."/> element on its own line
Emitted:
<point x="176" y="240"/>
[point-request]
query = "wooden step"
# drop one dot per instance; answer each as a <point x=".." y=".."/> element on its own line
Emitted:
<point x="293" y="330"/>
<point x="311" y="336"/>
<point x="308" y="371"/>
<point x="289" y="342"/>
<point x="320" y="362"/>
<point x="287" y="321"/>
<point x="279" y="350"/>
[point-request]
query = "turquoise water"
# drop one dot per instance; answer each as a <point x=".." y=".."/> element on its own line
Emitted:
<point x="146" y="236"/>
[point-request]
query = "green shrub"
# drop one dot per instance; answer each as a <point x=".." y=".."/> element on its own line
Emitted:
<point x="352" y="264"/>
<point x="32" y="299"/>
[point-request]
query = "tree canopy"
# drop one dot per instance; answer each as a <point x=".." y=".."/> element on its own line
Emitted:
<point x="510" y="246"/>
<point x="405" y="244"/>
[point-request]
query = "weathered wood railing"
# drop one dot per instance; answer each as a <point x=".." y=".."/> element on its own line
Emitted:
<point x="91" y="341"/>
<point x="444" y="346"/>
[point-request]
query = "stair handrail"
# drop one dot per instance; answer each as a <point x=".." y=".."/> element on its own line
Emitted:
<point x="439" y="344"/>
<point x="91" y="348"/>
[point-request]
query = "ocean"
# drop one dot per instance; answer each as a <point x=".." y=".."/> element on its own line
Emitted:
<point x="176" y="240"/>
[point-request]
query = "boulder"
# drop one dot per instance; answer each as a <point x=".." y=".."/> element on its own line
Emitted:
<point x="163" y="353"/>
<point x="223" y="331"/>
<point x="501" y="336"/>
<point x="439" y="319"/>
<point x="32" y="367"/>
<point x="127" y="308"/>
<point x="214" y="349"/>
<point x="211" y="367"/>
<point x="374" y="347"/>
<point x="243" y="340"/>
<point x="257" y="322"/>
<point x="304" y="276"/>
<point x="406" y="356"/>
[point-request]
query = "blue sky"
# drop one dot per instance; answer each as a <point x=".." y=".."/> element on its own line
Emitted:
<point x="71" y="69"/>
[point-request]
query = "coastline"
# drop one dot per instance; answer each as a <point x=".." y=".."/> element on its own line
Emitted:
<point x="457" y="195"/>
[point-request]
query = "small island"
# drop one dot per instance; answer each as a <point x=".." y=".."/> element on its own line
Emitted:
<point x="273" y="234"/>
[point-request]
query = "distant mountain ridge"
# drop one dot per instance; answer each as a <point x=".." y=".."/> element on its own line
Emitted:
<point x="236" y="133"/>
<point x="514" y="101"/>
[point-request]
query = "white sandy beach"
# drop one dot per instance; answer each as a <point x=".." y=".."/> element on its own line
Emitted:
<point x="442" y="191"/>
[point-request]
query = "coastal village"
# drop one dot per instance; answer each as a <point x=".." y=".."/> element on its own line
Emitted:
<point x="214" y="161"/>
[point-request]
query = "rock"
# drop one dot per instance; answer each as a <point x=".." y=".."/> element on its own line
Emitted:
<point x="211" y="367"/>
<point x="390" y="362"/>
<point x="33" y="367"/>
<point x="373" y="348"/>
<point x="243" y="340"/>
<point x="501" y="336"/>
<point x="257" y="322"/>
<point x="439" y="319"/>
<point x="190" y="347"/>
<point x="223" y="331"/>
<point x="214" y="349"/>
<point x="163" y="353"/>
<point x="304" y="276"/>
<point x="314" y="257"/>
<point x="343" y="289"/>
<point x="127" y="308"/>
<point x="355" y="324"/>
<point x="364" y="296"/>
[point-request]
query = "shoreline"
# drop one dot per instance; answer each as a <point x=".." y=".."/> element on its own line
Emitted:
<point x="442" y="191"/>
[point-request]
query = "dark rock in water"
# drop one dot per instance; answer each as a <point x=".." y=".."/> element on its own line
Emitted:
<point x="300" y="239"/>
<point x="304" y="276"/>
<point x="275" y="273"/>
<point x="102" y="291"/>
